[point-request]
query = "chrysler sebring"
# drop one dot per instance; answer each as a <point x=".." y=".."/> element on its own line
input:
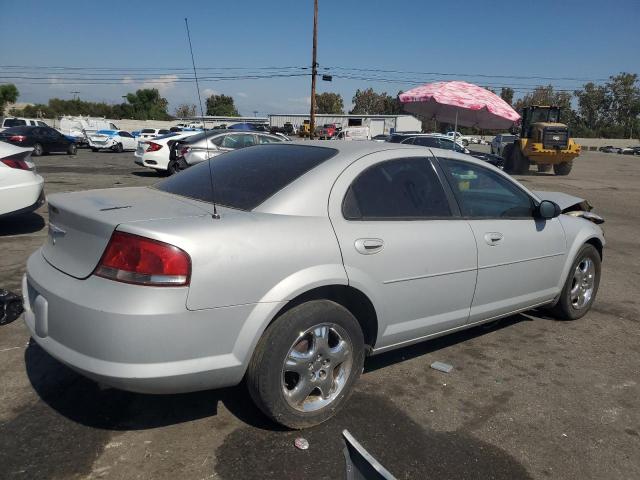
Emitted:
<point x="284" y="265"/>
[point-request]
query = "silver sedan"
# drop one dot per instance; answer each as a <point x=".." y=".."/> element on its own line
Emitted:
<point x="286" y="264"/>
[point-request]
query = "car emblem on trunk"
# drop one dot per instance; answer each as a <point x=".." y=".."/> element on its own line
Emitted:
<point x="56" y="231"/>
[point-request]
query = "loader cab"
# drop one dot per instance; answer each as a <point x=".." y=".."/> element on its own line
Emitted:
<point x="541" y="124"/>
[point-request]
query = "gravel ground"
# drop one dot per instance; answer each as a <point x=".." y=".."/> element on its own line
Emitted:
<point x="529" y="397"/>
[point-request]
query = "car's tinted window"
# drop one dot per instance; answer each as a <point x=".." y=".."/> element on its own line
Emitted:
<point x="14" y="122"/>
<point x="148" y="130"/>
<point x="267" y="139"/>
<point x="125" y="134"/>
<point x="245" y="178"/>
<point x="427" y="142"/>
<point x="483" y="193"/>
<point x="407" y="188"/>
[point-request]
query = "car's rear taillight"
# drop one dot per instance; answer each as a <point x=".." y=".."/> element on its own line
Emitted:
<point x="16" y="163"/>
<point x="153" y="147"/>
<point x="17" y="138"/>
<point x="133" y="259"/>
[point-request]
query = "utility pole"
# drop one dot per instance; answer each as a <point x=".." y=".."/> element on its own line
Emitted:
<point x="75" y="95"/>
<point x="314" y="71"/>
<point x="255" y="114"/>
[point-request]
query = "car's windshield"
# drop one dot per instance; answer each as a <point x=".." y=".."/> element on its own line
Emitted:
<point x="148" y="130"/>
<point x="245" y="178"/>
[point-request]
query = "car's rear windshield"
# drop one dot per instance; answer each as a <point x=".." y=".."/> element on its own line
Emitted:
<point x="19" y="130"/>
<point x="14" y="122"/>
<point x="245" y="178"/>
<point x="148" y="130"/>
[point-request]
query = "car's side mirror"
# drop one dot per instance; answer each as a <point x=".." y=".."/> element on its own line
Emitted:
<point x="548" y="209"/>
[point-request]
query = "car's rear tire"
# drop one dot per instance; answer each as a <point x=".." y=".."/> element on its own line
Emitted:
<point x="543" y="168"/>
<point x="161" y="172"/>
<point x="563" y="168"/>
<point x="580" y="288"/>
<point x="72" y="149"/>
<point x="94" y="149"/>
<point x="304" y="366"/>
<point x="118" y="148"/>
<point x="37" y="150"/>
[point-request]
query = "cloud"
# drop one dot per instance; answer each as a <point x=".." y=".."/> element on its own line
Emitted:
<point x="242" y="94"/>
<point x="207" y="92"/>
<point x="163" y="83"/>
<point x="300" y="100"/>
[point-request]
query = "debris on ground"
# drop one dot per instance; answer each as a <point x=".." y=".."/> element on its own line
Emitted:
<point x="442" y="367"/>
<point x="301" y="443"/>
<point x="10" y="306"/>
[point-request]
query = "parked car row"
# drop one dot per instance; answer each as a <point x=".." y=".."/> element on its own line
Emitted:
<point x="635" y="150"/>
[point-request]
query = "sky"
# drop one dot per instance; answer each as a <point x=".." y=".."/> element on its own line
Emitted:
<point x="387" y="45"/>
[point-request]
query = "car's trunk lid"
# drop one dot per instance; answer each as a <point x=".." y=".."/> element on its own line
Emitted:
<point x="81" y="223"/>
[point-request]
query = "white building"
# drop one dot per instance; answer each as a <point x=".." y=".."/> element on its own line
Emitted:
<point x="378" y="124"/>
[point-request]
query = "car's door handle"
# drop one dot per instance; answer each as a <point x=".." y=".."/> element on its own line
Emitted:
<point x="368" y="246"/>
<point x="493" y="238"/>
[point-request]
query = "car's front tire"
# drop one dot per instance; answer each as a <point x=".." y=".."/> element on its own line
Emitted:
<point x="72" y="149"/>
<point x="304" y="366"/>
<point x="118" y="148"/>
<point x="580" y="289"/>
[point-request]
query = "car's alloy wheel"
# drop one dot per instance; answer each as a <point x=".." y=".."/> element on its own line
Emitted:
<point x="581" y="286"/>
<point x="118" y="148"/>
<point x="317" y="367"/>
<point x="305" y="364"/>
<point x="583" y="283"/>
<point x="37" y="150"/>
<point x="73" y="149"/>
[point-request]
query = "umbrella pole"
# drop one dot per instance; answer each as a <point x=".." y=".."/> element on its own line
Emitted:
<point x="455" y="133"/>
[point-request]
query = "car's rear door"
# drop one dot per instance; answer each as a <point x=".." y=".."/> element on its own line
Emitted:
<point x="520" y="258"/>
<point x="404" y="245"/>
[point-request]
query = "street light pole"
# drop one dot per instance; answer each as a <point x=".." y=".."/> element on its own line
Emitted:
<point x="314" y="71"/>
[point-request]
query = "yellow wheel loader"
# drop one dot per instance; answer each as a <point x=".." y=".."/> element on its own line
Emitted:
<point x="543" y="141"/>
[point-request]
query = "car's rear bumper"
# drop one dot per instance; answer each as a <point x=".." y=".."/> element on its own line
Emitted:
<point x="22" y="198"/>
<point x="131" y="337"/>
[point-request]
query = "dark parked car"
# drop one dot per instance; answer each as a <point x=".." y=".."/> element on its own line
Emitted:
<point x="610" y="149"/>
<point x="41" y="139"/>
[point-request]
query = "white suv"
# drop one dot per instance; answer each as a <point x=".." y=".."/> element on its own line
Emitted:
<point x="21" y="122"/>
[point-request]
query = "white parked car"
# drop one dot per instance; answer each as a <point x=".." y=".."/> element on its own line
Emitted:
<point x="158" y="153"/>
<point x="21" y="122"/>
<point x="464" y="140"/>
<point x="148" y="133"/>
<point x="116" y="140"/>
<point x="354" y="133"/>
<point x="21" y="188"/>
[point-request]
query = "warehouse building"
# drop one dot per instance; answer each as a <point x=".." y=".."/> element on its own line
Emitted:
<point x="378" y="124"/>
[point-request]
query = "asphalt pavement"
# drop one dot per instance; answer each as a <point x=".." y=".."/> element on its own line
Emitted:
<point x="529" y="397"/>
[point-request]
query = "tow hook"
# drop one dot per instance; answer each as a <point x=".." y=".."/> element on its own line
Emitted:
<point x="11" y="306"/>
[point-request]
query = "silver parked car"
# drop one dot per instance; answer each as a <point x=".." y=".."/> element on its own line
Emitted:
<point x="286" y="264"/>
<point x="500" y="141"/>
<point x="205" y="145"/>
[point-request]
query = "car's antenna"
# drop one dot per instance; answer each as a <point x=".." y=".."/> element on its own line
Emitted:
<point x="206" y="140"/>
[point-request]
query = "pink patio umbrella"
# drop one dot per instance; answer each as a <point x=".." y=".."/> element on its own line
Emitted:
<point x="459" y="103"/>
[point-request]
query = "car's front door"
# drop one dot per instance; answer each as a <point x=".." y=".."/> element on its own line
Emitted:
<point x="128" y="141"/>
<point x="404" y="245"/>
<point x="520" y="257"/>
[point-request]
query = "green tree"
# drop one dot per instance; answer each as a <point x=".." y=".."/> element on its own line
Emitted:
<point x="368" y="102"/>
<point x="8" y="94"/>
<point x="625" y="100"/>
<point x="546" y="95"/>
<point x="221" y="105"/>
<point x="329" y="102"/>
<point x="593" y="107"/>
<point x="147" y="104"/>
<point x="185" y="110"/>
<point x="506" y="94"/>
